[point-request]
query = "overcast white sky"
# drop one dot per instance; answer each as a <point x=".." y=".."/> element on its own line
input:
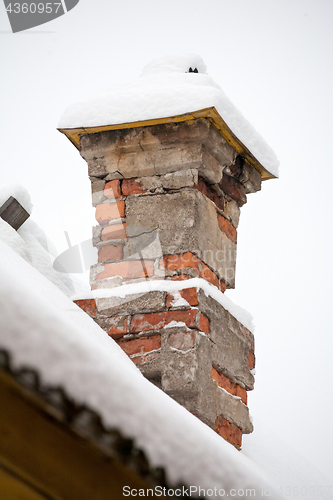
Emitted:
<point x="274" y="59"/>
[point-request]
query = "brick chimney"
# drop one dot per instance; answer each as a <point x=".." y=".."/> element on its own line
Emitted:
<point x="168" y="194"/>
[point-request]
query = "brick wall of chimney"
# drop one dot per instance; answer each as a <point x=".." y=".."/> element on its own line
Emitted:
<point x="167" y="201"/>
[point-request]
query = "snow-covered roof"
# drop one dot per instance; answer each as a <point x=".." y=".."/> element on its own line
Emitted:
<point x="167" y="91"/>
<point x="44" y="331"/>
<point x="32" y="244"/>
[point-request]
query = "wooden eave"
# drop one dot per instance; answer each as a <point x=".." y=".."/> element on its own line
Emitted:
<point x="212" y="114"/>
<point x="44" y="456"/>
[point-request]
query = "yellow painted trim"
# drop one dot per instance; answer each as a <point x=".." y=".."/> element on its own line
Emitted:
<point x="212" y="114"/>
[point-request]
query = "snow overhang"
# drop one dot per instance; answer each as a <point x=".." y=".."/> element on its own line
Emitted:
<point x="210" y="113"/>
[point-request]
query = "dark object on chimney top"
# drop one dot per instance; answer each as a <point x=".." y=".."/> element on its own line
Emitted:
<point x="13" y="213"/>
<point x="193" y="70"/>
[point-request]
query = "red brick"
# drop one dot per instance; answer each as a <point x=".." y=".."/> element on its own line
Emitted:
<point x="128" y="269"/>
<point x="233" y="188"/>
<point x="106" y="212"/>
<point x="180" y="261"/>
<point x="208" y="275"/>
<point x="132" y="186"/>
<point x="189" y="260"/>
<point x="225" y="383"/>
<point x="158" y="320"/>
<point x="88" y="306"/>
<point x="251" y="360"/>
<point x="207" y="191"/>
<point x="114" y="232"/>
<point x="182" y="340"/>
<point x="241" y="393"/>
<point x="203" y="323"/>
<point x="230" y="432"/>
<point x="190" y="295"/>
<point x="144" y="358"/>
<point x="141" y="345"/>
<point x="112" y="189"/>
<point x="223" y="286"/>
<point x="201" y="186"/>
<point x="227" y="228"/>
<point x="169" y="299"/>
<point x="111" y="252"/>
<point x="118" y="326"/>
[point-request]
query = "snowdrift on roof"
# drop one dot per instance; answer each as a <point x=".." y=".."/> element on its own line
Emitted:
<point x="43" y="330"/>
<point x="167" y="87"/>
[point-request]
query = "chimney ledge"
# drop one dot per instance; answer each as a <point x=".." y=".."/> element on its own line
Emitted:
<point x="74" y="134"/>
<point x="146" y="286"/>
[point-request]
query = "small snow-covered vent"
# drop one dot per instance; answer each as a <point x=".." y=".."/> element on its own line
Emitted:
<point x="13" y="213"/>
